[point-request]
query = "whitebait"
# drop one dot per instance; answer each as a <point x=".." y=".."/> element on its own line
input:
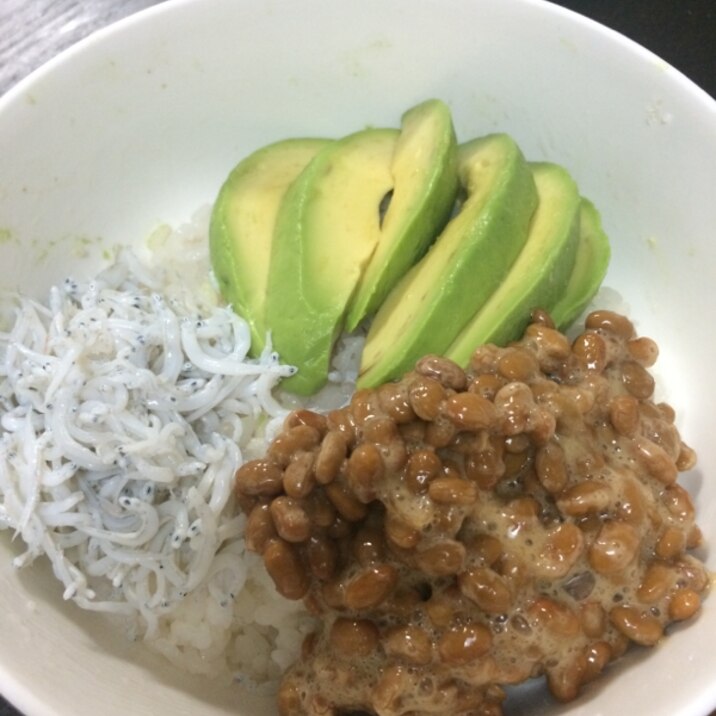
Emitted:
<point x="123" y="416"/>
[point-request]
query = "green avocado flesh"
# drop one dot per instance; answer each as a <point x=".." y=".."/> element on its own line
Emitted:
<point x="327" y="228"/>
<point x="590" y="267"/>
<point x="538" y="275"/>
<point x="242" y="226"/>
<point x="425" y="179"/>
<point x="434" y="301"/>
<point x="435" y="247"/>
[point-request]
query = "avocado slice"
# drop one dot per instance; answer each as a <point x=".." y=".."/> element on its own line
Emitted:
<point x="242" y="225"/>
<point x="590" y="267"/>
<point x="326" y="230"/>
<point x="425" y="184"/>
<point x="438" y="296"/>
<point x="538" y="275"/>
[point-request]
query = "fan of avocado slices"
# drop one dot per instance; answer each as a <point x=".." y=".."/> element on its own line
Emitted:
<point x="430" y="246"/>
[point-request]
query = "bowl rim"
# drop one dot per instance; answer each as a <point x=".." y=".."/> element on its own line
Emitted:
<point x="165" y="6"/>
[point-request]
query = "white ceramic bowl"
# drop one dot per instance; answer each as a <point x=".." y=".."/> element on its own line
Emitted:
<point x="140" y="124"/>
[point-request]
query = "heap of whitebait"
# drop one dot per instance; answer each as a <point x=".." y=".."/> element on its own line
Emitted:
<point x="124" y="415"/>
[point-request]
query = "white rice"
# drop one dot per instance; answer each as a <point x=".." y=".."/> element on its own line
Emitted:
<point x="126" y="406"/>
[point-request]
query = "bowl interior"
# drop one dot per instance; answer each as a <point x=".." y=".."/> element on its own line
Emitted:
<point x="140" y="124"/>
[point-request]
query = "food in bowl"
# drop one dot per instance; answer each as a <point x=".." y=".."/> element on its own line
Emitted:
<point x="219" y="551"/>
<point x="127" y="405"/>
<point x="462" y="531"/>
<point x="456" y="532"/>
<point x="406" y="230"/>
